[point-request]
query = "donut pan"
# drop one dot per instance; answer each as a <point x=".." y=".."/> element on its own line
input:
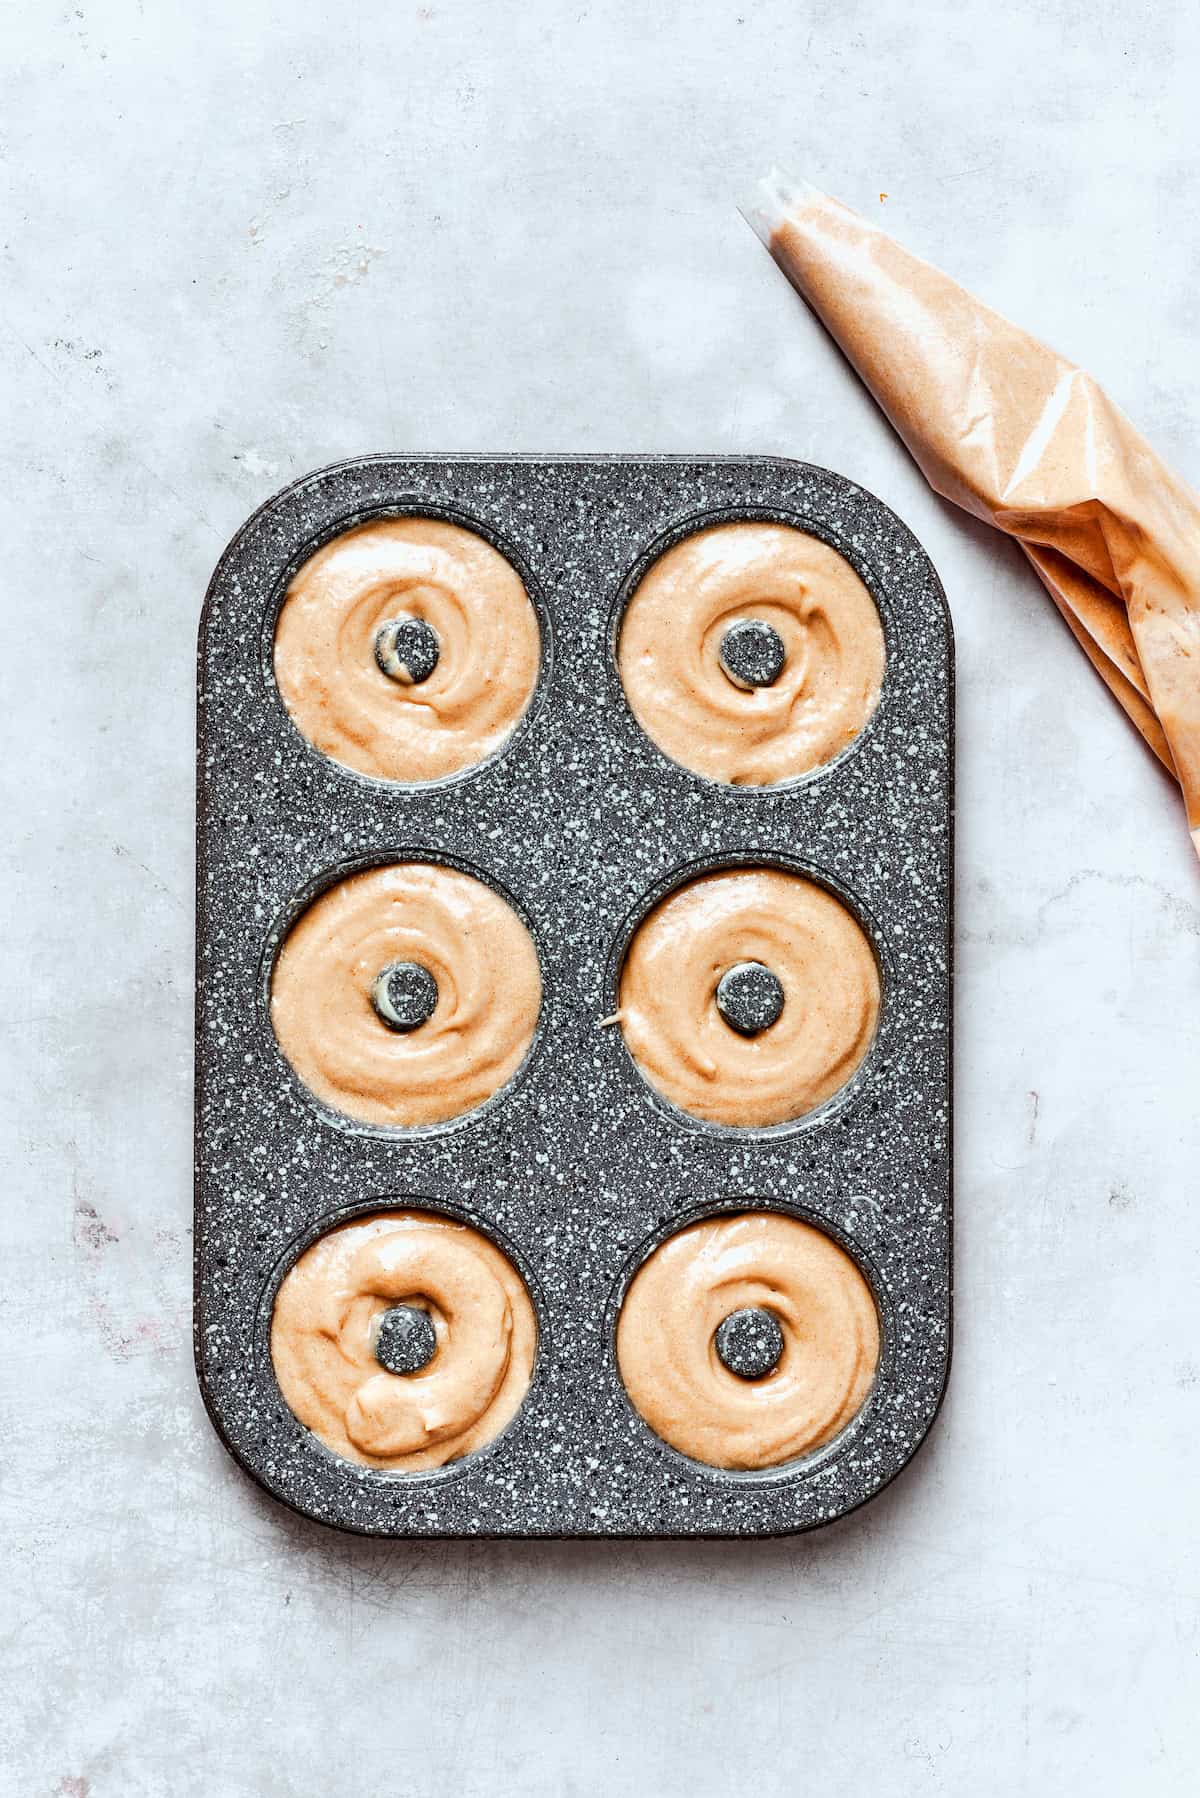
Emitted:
<point x="577" y="1168"/>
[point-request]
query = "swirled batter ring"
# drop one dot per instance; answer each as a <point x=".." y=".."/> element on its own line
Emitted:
<point x="688" y="1286"/>
<point x="826" y="624"/>
<point x="326" y="1321"/>
<point x="676" y="1032"/>
<point x="488" y="996"/>
<point x="485" y="633"/>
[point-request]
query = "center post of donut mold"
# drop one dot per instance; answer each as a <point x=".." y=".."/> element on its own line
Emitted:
<point x="405" y="1339"/>
<point x="404" y="995"/>
<point x="749" y="1342"/>
<point x="407" y="650"/>
<point x="752" y="653"/>
<point x="750" y="997"/>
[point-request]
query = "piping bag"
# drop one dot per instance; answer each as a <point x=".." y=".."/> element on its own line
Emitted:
<point x="1007" y="429"/>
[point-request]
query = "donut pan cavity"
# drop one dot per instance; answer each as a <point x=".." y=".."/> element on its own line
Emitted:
<point x="577" y="1168"/>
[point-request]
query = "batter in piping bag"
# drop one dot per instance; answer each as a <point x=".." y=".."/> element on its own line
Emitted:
<point x="1023" y="439"/>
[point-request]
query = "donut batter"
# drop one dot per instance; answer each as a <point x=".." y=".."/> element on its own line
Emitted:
<point x="691" y="1283"/>
<point x="670" y="664"/>
<point x="326" y="1321"/>
<point x="489" y="992"/>
<point x="819" y="955"/>
<point x="330" y="665"/>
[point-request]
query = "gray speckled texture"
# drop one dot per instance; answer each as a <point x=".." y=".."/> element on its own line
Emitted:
<point x="752" y="653"/>
<point x="405" y="1339"/>
<point x="749" y="1342"/>
<point x="749" y="997"/>
<point x="577" y="1169"/>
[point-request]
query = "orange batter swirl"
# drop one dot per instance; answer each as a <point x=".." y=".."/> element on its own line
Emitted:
<point x="675" y="1030"/>
<point x="669" y="653"/>
<point x="332" y="663"/>
<point x="326" y="1322"/>
<point x="686" y="1288"/>
<point x="488" y="994"/>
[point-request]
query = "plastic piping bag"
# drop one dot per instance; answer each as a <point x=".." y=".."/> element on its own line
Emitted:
<point x="1019" y="437"/>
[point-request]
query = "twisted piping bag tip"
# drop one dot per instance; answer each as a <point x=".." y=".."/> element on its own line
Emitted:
<point x="772" y="197"/>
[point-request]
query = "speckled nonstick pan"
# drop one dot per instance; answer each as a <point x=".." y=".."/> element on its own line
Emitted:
<point x="577" y="1168"/>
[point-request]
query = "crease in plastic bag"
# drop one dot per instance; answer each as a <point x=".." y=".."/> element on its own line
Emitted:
<point x="1026" y="441"/>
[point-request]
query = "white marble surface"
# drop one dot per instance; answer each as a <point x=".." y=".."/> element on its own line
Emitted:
<point x="244" y="239"/>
